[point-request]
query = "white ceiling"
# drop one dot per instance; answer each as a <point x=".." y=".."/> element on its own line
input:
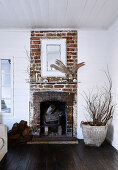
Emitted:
<point x="98" y="14"/>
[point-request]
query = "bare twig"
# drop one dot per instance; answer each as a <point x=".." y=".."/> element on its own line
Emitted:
<point x="71" y="74"/>
<point x="99" y="104"/>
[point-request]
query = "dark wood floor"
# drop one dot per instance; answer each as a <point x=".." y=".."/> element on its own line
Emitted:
<point x="60" y="157"/>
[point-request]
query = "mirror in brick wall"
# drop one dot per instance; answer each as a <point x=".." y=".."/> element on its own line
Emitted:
<point x="51" y="50"/>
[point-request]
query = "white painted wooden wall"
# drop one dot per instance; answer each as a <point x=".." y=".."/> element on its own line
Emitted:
<point x="14" y="43"/>
<point x="92" y="49"/>
<point x="96" y="48"/>
<point x="113" y="62"/>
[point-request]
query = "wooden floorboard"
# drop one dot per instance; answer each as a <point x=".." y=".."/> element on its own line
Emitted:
<point x="60" y="157"/>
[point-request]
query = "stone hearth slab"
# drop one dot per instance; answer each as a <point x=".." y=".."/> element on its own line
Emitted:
<point x="54" y="140"/>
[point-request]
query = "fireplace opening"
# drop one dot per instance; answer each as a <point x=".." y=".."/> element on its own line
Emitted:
<point x="53" y="118"/>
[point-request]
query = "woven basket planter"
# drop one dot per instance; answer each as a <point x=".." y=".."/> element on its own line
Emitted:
<point x="94" y="135"/>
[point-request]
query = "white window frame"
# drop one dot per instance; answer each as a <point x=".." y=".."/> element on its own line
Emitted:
<point x="12" y="89"/>
<point x="44" y="43"/>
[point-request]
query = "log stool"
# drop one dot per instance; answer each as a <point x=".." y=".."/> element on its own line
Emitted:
<point x="52" y="121"/>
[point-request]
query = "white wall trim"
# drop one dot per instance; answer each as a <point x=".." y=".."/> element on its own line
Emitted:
<point x="34" y="29"/>
<point x="15" y="30"/>
<point x="49" y="29"/>
<point x="53" y="29"/>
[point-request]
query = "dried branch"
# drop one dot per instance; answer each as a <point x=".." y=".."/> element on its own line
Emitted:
<point x="71" y="74"/>
<point x="58" y="68"/>
<point x="100" y="103"/>
<point x="61" y="64"/>
<point x="80" y="65"/>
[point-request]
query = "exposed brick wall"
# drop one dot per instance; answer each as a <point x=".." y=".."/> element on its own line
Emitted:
<point x="55" y="86"/>
<point x="52" y="83"/>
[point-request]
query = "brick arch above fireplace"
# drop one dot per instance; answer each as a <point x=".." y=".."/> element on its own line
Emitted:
<point x="54" y="96"/>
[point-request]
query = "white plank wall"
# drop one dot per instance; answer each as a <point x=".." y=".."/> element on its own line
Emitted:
<point x="93" y="50"/>
<point x="97" y="49"/>
<point x="113" y="60"/>
<point x="13" y="44"/>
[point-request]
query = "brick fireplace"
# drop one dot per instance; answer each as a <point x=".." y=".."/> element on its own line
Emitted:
<point x="53" y="88"/>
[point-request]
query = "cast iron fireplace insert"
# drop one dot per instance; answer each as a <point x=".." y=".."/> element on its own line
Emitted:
<point x="53" y="114"/>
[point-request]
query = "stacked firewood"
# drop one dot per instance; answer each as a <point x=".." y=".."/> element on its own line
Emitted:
<point x="20" y="133"/>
